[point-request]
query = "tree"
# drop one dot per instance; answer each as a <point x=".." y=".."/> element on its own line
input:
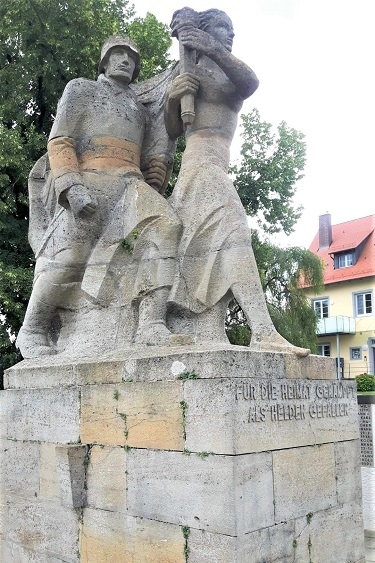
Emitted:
<point x="43" y="45"/>
<point x="281" y="271"/>
<point x="271" y="164"/>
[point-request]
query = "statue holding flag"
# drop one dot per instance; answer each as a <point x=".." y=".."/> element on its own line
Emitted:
<point x="215" y="257"/>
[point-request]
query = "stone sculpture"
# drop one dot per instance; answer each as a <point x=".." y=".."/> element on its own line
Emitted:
<point x="216" y="260"/>
<point x="97" y="198"/>
<point x="98" y="214"/>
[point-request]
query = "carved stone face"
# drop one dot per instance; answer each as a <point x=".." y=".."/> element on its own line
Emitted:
<point x="222" y="30"/>
<point x="120" y="65"/>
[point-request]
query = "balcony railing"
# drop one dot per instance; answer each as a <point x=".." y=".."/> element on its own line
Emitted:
<point x="336" y="325"/>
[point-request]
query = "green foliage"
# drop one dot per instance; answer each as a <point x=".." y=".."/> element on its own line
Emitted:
<point x="271" y="164"/>
<point x="153" y="40"/>
<point x="365" y="382"/>
<point x="187" y="375"/>
<point x="280" y="271"/>
<point x="43" y="45"/>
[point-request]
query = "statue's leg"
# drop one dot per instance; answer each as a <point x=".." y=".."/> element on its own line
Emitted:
<point x="51" y="288"/>
<point x="155" y="251"/>
<point x="250" y="297"/>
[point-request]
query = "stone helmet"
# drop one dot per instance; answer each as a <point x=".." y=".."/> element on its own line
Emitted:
<point x="120" y="41"/>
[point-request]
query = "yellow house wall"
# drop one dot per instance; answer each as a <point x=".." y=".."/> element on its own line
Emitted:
<point x="341" y="302"/>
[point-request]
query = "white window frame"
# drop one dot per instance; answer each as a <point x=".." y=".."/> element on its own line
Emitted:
<point x="352" y="349"/>
<point x="319" y="313"/>
<point x="321" y="349"/>
<point x="347" y="259"/>
<point x="361" y="296"/>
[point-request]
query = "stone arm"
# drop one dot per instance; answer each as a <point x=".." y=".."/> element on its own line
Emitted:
<point x="186" y="83"/>
<point x="69" y="185"/>
<point x="241" y="75"/>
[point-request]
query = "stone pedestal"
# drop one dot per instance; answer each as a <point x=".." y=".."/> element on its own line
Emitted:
<point x="172" y="455"/>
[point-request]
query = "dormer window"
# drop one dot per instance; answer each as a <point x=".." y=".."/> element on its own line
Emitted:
<point x="345" y="259"/>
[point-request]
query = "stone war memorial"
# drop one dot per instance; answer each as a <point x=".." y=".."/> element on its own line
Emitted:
<point x="133" y="432"/>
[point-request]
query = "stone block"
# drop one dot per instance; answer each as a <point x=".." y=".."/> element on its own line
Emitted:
<point x="331" y="536"/>
<point x="71" y="469"/>
<point x="236" y="416"/>
<point x="40" y="373"/>
<point x="311" y="367"/>
<point x="106" y="478"/>
<point x="213" y="548"/>
<point x="47" y="415"/>
<point x="304" y="481"/>
<point x="99" y="372"/>
<point x="20" y="469"/>
<point x="207" y="362"/>
<point x="101" y="422"/>
<point x="154" y="416"/>
<point x="110" y="537"/>
<point x="142" y="415"/>
<point x="273" y="544"/>
<point x="44" y="528"/>
<point x="348" y="480"/>
<point x="191" y="490"/>
<point x="49" y="480"/>
<point x="14" y="553"/>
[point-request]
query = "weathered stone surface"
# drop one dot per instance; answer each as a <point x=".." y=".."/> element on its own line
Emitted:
<point x="44" y="528"/>
<point x="50" y="415"/>
<point x="40" y="374"/>
<point x="106" y="478"/>
<point x="49" y="479"/>
<point x="332" y="535"/>
<point x="143" y="415"/>
<point x="158" y="364"/>
<point x="15" y="553"/>
<point x="145" y="502"/>
<point x="269" y="544"/>
<point x="20" y="469"/>
<point x="154" y="416"/>
<point x="71" y="469"/>
<point x="100" y="420"/>
<point x="216" y="548"/>
<point x="348" y="482"/>
<point x="191" y="490"/>
<point x="251" y="415"/>
<point x="304" y="481"/>
<point x="107" y="536"/>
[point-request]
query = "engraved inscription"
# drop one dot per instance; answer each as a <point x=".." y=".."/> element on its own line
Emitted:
<point x="366" y="433"/>
<point x="298" y="400"/>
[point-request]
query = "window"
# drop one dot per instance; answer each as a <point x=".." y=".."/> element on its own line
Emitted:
<point x="355" y="354"/>
<point x="324" y="349"/>
<point x="345" y="260"/>
<point x="363" y="303"/>
<point x="321" y="308"/>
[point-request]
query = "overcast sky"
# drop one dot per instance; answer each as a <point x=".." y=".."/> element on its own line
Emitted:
<point x="315" y="62"/>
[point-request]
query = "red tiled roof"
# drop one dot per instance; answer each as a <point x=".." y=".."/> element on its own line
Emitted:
<point x="347" y="236"/>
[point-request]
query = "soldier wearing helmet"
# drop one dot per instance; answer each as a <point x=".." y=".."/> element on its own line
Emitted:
<point x="99" y="197"/>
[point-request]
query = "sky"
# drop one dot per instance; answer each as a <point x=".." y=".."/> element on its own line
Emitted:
<point x="315" y="63"/>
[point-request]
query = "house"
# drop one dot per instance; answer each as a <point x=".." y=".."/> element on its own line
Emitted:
<point x="346" y="309"/>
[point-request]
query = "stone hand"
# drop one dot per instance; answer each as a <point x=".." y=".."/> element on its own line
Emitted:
<point x="185" y="83"/>
<point x="194" y="38"/>
<point x="155" y="174"/>
<point x="81" y="202"/>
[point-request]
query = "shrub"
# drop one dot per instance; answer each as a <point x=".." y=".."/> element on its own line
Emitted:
<point x="365" y="382"/>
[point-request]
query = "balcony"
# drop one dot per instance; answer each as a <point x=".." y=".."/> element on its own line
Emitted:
<point x="336" y="325"/>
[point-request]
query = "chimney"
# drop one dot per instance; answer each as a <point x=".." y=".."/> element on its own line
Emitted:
<point x="325" y="231"/>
